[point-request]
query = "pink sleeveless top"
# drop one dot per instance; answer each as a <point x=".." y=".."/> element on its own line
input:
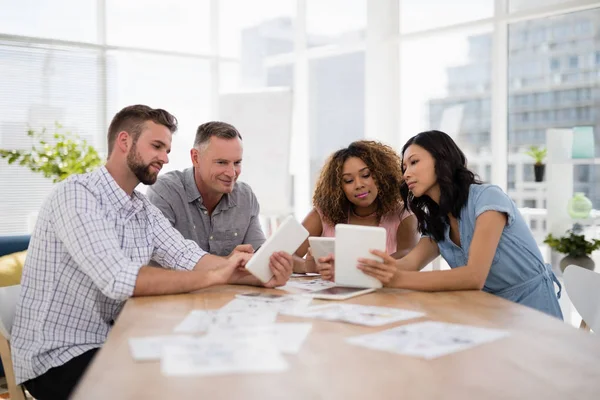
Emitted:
<point x="390" y="222"/>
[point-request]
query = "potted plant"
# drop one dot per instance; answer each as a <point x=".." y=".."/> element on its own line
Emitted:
<point x="576" y="248"/>
<point x="539" y="155"/>
<point x="57" y="159"/>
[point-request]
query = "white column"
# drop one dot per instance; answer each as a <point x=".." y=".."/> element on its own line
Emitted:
<point x="299" y="154"/>
<point x="382" y="72"/>
<point x="499" y="132"/>
<point x="215" y="76"/>
<point x="101" y="142"/>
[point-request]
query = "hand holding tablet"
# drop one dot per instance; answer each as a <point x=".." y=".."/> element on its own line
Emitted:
<point x="288" y="237"/>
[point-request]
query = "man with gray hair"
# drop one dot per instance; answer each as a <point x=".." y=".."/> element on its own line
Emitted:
<point x="206" y="203"/>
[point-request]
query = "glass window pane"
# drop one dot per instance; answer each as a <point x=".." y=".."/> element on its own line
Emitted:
<point x="519" y="5"/>
<point x="553" y="83"/>
<point x="41" y="86"/>
<point x="177" y="25"/>
<point x="73" y="20"/>
<point x="419" y="15"/>
<point x="260" y="27"/>
<point x="446" y="85"/>
<point x="177" y="84"/>
<point x="335" y="21"/>
<point x="337" y="106"/>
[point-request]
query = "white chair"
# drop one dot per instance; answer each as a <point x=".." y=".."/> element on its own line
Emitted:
<point x="8" y="303"/>
<point x="583" y="288"/>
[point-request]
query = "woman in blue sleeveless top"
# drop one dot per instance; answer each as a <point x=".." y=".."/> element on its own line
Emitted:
<point x="476" y="227"/>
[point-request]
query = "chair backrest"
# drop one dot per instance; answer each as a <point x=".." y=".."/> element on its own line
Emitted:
<point x="9" y="296"/>
<point x="12" y="244"/>
<point x="583" y="288"/>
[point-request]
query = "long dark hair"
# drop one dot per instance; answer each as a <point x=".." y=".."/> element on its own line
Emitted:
<point x="453" y="178"/>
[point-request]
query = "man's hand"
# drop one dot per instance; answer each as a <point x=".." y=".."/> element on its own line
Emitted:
<point x="326" y="267"/>
<point x="282" y="265"/>
<point x="242" y="248"/>
<point x="223" y="272"/>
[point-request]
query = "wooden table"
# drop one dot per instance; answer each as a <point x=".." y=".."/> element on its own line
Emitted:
<point x="543" y="358"/>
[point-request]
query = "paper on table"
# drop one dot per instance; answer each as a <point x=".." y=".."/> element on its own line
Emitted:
<point x="198" y="321"/>
<point x="428" y="339"/>
<point x="150" y="348"/>
<point x="289" y="304"/>
<point x="214" y="356"/>
<point x="357" y="314"/>
<point x="287" y="337"/>
<point x="307" y="285"/>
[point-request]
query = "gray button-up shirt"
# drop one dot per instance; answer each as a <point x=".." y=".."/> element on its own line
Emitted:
<point x="233" y="222"/>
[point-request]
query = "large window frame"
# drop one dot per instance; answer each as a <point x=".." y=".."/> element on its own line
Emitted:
<point x="301" y="55"/>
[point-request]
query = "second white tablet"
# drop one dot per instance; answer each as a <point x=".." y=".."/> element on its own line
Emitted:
<point x="351" y="243"/>
<point x="321" y="246"/>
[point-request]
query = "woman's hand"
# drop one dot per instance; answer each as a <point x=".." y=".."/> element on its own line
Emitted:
<point x="326" y="267"/>
<point x="383" y="271"/>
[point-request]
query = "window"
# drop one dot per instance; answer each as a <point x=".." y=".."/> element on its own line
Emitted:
<point x="439" y="73"/>
<point x="519" y="5"/>
<point x="418" y="15"/>
<point x="337" y="106"/>
<point x="177" y="84"/>
<point x="39" y="87"/>
<point x="50" y="19"/>
<point x="177" y="25"/>
<point x="261" y="27"/>
<point x="334" y="22"/>
<point x="573" y="61"/>
<point x="568" y="101"/>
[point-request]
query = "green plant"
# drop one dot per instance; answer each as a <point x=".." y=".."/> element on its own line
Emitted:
<point x="68" y="154"/>
<point x="537" y="153"/>
<point x="572" y="244"/>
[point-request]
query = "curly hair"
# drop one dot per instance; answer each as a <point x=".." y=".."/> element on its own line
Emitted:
<point x="386" y="169"/>
<point x="453" y="178"/>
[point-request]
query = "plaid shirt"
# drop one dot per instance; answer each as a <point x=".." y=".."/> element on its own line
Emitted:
<point x="89" y="243"/>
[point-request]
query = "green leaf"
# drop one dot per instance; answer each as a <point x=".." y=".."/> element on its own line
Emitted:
<point x="58" y="158"/>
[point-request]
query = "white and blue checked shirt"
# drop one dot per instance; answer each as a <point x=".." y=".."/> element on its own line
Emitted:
<point x="89" y="243"/>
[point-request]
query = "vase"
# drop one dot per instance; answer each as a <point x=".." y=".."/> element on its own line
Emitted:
<point x="538" y="170"/>
<point x="583" y="142"/>
<point x="582" y="261"/>
<point x="579" y="206"/>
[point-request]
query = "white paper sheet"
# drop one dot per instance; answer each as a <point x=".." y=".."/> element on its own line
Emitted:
<point x="288" y="304"/>
<point x="214" y="356"/>
<point x="287" y="337"/>
<point x="357" y="314"/>
<point x="149" y="348"/>
<point x="428" y="339"/>
<point x="199" y="321"/>
<point x="307" y="285"/>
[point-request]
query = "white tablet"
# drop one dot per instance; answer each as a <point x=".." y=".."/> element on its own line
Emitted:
<point x="321" y="246"/>
<point x="288" y="237"/>
<point x="339" y="293"/>
<point x="351" y="243"/>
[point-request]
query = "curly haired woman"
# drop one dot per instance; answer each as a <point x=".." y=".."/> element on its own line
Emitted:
<point x="359" y="185"/>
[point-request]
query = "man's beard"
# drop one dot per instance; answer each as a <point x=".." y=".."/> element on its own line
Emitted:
<point x="142" y="171"/>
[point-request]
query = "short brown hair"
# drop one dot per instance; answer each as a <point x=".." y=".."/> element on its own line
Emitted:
<point x="386" y="169"/>
<point x="132" y="118"/>
<point x="219" y="129"/>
